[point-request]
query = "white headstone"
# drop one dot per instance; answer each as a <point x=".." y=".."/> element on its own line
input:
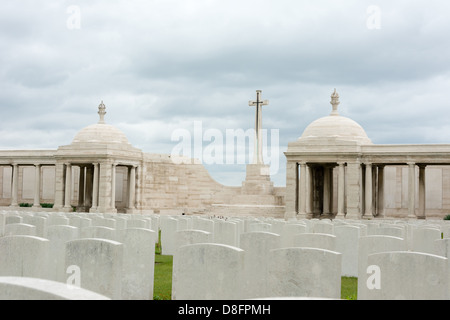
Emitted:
<point x="138" y="263"/>
<point x="445" y="231"/>
<point x="392" y="231"/>
<point x="260" y="226"/>
<point x="16" y="229"/>
<point x="137" y="223"/>
<point x="423" y="240"/>
<point x="226" y="233"/>
<point x="104" y="222"/>
<point x="98" y="232"/>
<point x="404" y="275"/>
<point x="289" y="231"/>
<point x="347" y="243"/>
<point x="203" y="224"/>
<point x="207" y="272"/>
<point x="80" y="222"/>
<point x="169" y="226"/>
<point x="25" y="288"/>
<point x="58" y="236"/>
<point x="376" y="244"/>
<point x="315" y="240"/>
<point x="56" y="219"/>
<point x="10" y="218"/>
<point x="99" y="263"/>
<point x="323" y="227"/>
<point x="257" y="246"/>
<point x="304" y="272"/>
<point x="185" y="237"/>
<point x="442" y="247"/>
<point x="24" y="256"/>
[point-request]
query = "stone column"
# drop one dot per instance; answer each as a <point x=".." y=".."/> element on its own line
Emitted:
<point x="302" y="191"/>
<point x="341" y="189"/>
<point x="354" y="192"/>
<point x="309" y="192"/>
<point x="113" y="187"/>
<point x="104" y="187"/>
<point x="139" y="182"/>
<point x="411" y="190"/>
<point x="380" y="204"/>
<point x="59" y="187"/>
<point x="368" y="191"/>
<point x="81" y="187"/>
<point x="326" y="190"/>
<point x="88" y="187"/>
<point x="95" y="188"/>
<point x="37" y="185"/>
<point x="15" y="185"/>
<point x="68" y="187"/>
<point x="422" y="192"/>
<point x="132" y="188"/>
<point x="291" y="190"/>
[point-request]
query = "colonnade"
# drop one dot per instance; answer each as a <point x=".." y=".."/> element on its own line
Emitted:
<point x="96" y="187"/>
<point x="310" y="189"/>
<point x="15" y="184"/>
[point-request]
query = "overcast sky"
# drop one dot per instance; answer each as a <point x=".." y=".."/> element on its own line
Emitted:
<point x="167" y="65"/>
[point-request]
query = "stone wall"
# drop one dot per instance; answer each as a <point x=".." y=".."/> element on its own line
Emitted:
<point x="167" y="185"/>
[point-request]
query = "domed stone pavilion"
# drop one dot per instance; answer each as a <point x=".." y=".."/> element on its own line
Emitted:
<point x="101" y="172"/>
<point x="334" y="170"/>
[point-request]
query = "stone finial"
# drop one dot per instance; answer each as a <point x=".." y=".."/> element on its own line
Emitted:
<point x="102" y="112"/>
<point x="334" y="102"/>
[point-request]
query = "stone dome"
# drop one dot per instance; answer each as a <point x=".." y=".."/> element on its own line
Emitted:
<point x="101" y="133"/>
<point x="335" y="126"/>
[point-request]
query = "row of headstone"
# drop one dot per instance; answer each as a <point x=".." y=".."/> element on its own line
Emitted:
<point x="355" y="242"/>
<point x="239" y="257"/>
<point x="42" y="220"/>
<point x="260" y="268"/>
<point x="116" y="263"/>
<point x="209" y="271"/>
<point x="340" y="236"/>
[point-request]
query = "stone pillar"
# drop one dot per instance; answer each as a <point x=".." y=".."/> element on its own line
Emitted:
<point x="326" y="190"/>
<point x="353" y="192"/>
<point x="113" y="187"/>
<point x="422" y="192"/>
<point x="37" y="186"/>
<point x="139" y="182"/>
<point x="309" y="192"/>
<point x="88" y="187"/>
<point x="380" y="204"/>
<point x="411" y="190"/>
<point x="132" y="189"/>
<point x="59" y="187"/>
<point x="81" y="187"/>
<point x="302" y="191"/>
<point x="68" y="186"/>
<point x="15" y="185"/>
<point x="368" y="192"/>
<point x="95" y="188"/>
<point x="104" y="187"/>
<point x="291" y="190"/>
<point x="341" y="189"/>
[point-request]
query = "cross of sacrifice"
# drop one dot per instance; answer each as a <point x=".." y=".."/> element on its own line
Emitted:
<point x="257" y="156"/>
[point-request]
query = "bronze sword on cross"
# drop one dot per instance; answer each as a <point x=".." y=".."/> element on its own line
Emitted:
<point x="257" y="156"/>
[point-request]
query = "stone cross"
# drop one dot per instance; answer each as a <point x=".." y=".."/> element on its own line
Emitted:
<point x="257" y="157"/>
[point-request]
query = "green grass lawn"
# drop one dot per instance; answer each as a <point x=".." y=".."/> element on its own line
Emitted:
<point x="163" y="280"/>
<point x="162" y="289"/>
